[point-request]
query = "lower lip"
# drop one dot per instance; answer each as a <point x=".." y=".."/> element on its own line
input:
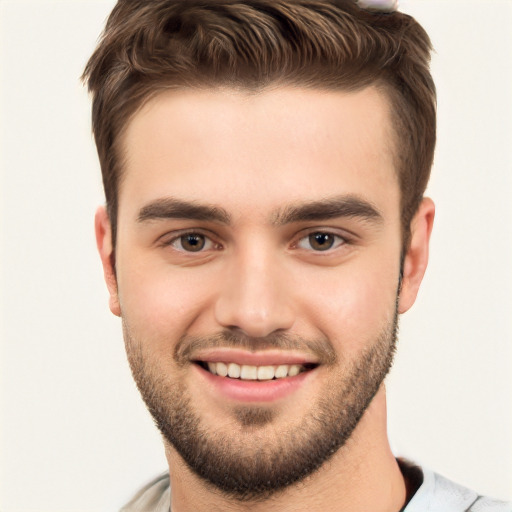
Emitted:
<point x="254" y="390"/>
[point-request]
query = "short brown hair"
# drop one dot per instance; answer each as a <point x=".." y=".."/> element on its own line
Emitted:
<point x="149" y="46"/>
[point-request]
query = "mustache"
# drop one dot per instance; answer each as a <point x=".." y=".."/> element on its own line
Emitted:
<point x="188" y="345"/>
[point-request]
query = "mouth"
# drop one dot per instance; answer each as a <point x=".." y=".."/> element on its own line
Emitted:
<point x="242" y="376"/>
<point x="246" y="372"/>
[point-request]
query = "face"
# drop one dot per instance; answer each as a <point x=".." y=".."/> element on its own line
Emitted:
<point x="257" y="274"/>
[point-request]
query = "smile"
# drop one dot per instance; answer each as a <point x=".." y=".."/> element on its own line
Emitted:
<point x="253" y="373"/>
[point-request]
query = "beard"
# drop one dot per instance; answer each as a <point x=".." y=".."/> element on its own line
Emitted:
<point x="256" y="458"/>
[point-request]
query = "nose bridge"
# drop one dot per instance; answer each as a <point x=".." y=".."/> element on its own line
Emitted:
<point x="252" y="298"/>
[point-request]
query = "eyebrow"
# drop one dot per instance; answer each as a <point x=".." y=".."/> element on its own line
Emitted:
<point x="331" y="208"/>
<point x="171" y="208"/>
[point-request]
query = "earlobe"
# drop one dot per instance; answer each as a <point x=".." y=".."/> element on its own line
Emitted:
<point x="104" y="243"/>
<point x="416" y="258"/>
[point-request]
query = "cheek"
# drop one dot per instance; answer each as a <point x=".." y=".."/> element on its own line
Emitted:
<point x="352" y="306"/>
<point x="159" y="302"/>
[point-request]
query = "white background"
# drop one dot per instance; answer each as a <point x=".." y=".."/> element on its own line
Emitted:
<point x="74" y="434"/>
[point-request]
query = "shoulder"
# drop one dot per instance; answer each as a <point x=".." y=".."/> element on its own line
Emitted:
<point x="435" y="494"/>
<point x="438" y="494"/>
<point x="153" y="497"/>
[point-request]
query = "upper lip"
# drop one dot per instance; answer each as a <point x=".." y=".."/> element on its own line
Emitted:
<point x="262" y="358"/>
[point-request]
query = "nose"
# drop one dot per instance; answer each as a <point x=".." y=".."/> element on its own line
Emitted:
<point x="255" y="296"/>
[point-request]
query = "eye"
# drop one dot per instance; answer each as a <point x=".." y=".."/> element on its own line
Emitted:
<point x="320" y="241"/>
<point x="192" y="242"/>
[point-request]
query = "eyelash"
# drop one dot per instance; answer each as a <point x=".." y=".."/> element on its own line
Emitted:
<point x="337" y="240"/>
<point x="209" y="243"/>
<point x="178" y="238"/>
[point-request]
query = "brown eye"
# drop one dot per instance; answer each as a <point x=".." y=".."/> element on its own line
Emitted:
<point x="192" y="242"/>
<point x="321" y="241"/>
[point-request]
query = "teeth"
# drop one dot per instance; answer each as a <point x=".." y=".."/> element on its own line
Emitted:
<point x="249" y="372"/>
<point x="281" y="371"/>
<point x="233" y="370"/>
<point x="222" y="369"/>
<point x="294" y="370"/>
<point x="265" y="372"/>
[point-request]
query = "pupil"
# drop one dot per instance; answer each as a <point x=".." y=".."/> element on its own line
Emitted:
<point x="193" y="243"/>
<point x="321" y="241"/>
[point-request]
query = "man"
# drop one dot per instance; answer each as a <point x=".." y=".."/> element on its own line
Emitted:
<point x="264" y="165"/>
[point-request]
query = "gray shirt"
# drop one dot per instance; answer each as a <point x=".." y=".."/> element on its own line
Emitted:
<point x="435" y="494"/>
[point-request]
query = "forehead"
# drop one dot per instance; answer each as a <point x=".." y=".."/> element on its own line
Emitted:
<point x="241" y="149"/>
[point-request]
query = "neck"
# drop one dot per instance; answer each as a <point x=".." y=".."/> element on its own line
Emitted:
<point x="363" y="475"/>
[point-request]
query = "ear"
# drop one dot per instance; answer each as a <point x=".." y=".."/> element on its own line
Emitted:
<point x="416" y="258"/>
<point x="104" y="243"/>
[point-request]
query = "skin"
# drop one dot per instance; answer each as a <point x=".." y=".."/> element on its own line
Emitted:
<point x="254" y="156"/>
